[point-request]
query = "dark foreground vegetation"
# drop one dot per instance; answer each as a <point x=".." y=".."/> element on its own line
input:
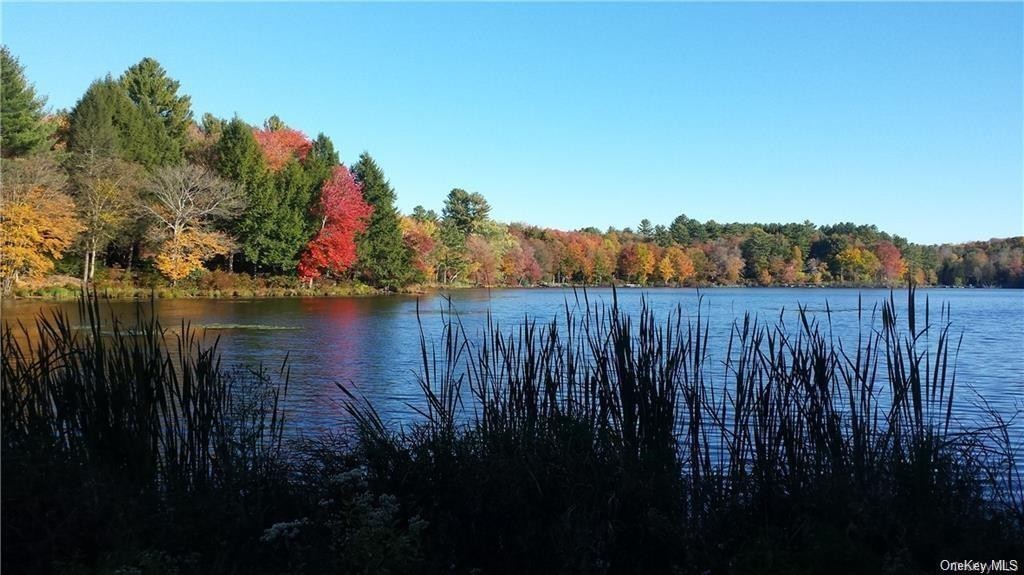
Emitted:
<point x="598" y="443"/>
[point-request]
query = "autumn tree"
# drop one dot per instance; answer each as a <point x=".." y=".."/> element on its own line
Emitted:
<point x="419" y="239"/>
<point x="186" y="202"/>
<point x="105" y="193"/>
<point x="725" y="262"/>
<point x="37" y="219"/>
<point x="185" y="253"/>
<point x="605" y="257"/>
<point x="483" y="260"/>
<point x="342" y="214"/>
<point x="22" y="127"/>
<point x="683" y="268"/>
<point x="384" y="259"/>
<point x="518" y="264"/>
<point x="281" y="144"/>
<point x="857" y="263"/>
<point x="665" y="270"/>
<point x="637" y="262"/>
<point x="891" y="265"/>
<point x="646" y="260"/>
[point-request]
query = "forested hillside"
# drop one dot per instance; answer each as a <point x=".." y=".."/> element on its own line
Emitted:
<point x="130" y="184"/>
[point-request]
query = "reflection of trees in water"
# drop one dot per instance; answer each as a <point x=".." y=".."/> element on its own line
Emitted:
<point x="334" y="340"/>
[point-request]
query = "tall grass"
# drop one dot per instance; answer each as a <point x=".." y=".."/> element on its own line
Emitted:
<point x="599" y="442"/>
<point x="610" y="442"/>
<point x="117" y="435"/>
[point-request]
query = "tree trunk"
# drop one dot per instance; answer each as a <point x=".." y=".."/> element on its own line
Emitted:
<point x="92" y="262"/>
<point x="131" y="258"/>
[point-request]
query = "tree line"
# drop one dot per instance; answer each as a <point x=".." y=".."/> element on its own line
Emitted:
<point x="128" y="178"/>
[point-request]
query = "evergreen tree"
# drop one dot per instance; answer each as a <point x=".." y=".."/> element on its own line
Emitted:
<point x="383" y="257"/>
<point x="421" y="214"/>
<point x="465" y="211"/>
<point x="156" y="96"/>
<point x="452" y="256"/>
<point x="101" y="121"/>
<point x="288" y="226"/>
<point x="106" y="122"/>
<point x="321" y="160"/>
<point x="240" y="160"/>
<point x="645" y="229"/>
<point x="274" y="124"/>
<point x="21" y="111"/>
<point x="158" y="136"/>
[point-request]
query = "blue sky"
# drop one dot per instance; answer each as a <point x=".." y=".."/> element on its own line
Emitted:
<point x="908" y="116"/>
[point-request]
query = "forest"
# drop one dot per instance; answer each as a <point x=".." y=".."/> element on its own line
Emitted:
<point x="128" y="187"/>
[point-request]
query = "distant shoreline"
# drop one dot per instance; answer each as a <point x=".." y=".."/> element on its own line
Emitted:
<point x="67" y="293"/>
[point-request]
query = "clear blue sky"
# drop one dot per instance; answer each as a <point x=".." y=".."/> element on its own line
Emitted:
<point x="908" y="116"/>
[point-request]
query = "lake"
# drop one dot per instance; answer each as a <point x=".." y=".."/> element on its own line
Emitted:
<point x="372" y="344"/>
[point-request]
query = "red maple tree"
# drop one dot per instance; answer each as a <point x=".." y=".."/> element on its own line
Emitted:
<point x="891" y="260"/>
<point x="280" y="146"/>
<point x="343" y="214"/>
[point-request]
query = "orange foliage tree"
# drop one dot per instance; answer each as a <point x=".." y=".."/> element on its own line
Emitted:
<point x="35" y="229"/>
<point x="891" y="261"/>
<point x="418" y="236"/>
<point x="185" y="253"/>
<point x="282" y="145"/>
<point x="37" y="219"/>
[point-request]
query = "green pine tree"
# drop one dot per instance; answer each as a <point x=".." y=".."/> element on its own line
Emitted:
<point x="383" y="257"/>
<point x="107" y="122"/>
<point x="288" y="226"/>
<point x="240" y="160"/>
<point x="321" y="161"/>
<point x="21" y="111"/>
<point x="156" y="95"/>
<point x="465" y="211"/>
<point x="157" y="136"/>
<point x="104" y="122"/>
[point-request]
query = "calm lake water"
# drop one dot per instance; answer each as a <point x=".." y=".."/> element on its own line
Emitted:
<point x="373" y="343"/>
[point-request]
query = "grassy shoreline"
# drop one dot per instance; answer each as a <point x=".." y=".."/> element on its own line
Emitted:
<point x="69" y="292"/>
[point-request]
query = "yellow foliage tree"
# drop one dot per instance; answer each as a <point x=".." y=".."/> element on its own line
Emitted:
<point x="36" y="228"/>
<point x="646" y="262"/>
<point x="185" y="253"/>
<point x="666" y="271"/>
<point x="682" y="264"/>
<point x="857" y="263"/>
